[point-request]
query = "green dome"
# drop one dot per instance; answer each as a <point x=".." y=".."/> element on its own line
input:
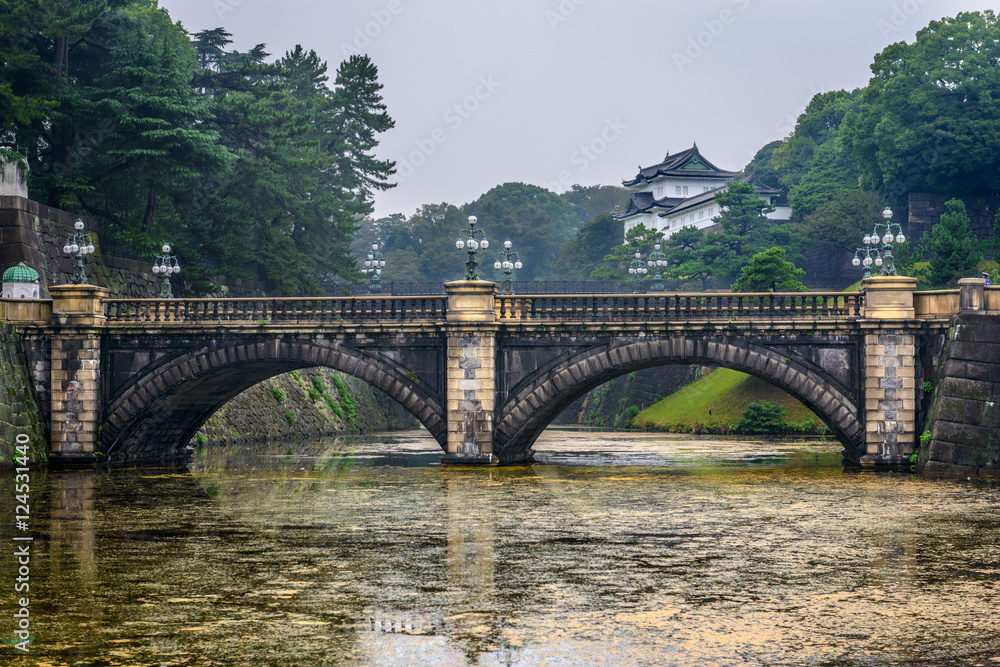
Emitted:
<point x="21" y="273"/>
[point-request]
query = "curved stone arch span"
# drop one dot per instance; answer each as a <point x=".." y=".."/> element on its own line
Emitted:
<point x="537" y="400"/>
<point x="159" y="411"/>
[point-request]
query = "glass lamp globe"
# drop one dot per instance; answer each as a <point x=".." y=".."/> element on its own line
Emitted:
<point x="378" y="272"/>
<point x="472" y="244"/>
<point x="74" y="248"/>
<point x="856" y="262"/>
<point x="374" y="246"/>
<point x="460" y="244"/>
<point x="165" y="248"/>
<point x="867" y="240"/>
<point x="631" y="270"/>
<point x="156" y="268"/>
<point x="656" y="246"/>
<point x="484" y="244"/>
<point x="78" y="225"/>
<point x="887" y="213"/>
<point x="878" y="261"/>
<point x="638" y="255"/>
<point x="887" y="238"/>
<point x="900" y="238"/>
<point x="90" y="248"/>
<point x="177" y="268"/>
<point x="518" y="265"/>
<point x="868" y="261"/>
<point x="472" y="220"/>
<point x="649" y="262"/>
<point x="507" y="244"/>
<point x="66" y="249"/>
<point x="496" y="265"/>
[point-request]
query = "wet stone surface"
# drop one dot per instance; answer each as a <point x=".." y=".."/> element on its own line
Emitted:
<point x="613" y="549"/>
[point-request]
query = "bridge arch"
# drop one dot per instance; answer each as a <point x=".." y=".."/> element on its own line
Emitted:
<point x="541" y="396"/>
<point x="159" y="410"/>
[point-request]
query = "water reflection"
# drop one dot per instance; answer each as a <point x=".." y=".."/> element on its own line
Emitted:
<point x="615" y="549"/>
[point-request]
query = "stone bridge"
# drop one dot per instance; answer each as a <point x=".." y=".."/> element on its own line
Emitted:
<point x="483" y="373"/>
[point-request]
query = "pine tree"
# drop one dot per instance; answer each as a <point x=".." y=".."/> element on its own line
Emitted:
<point x="953" y="251"/>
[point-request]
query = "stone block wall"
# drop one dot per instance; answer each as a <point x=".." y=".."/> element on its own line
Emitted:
<point x="471" y="390"/>
<point x="257" y="416"/>
<point x="20" y="411"/>
<point x="35" y="234"/>
<point x="925" y="211"/>
<point x="890" y="395"/>
<point x="964" y="419"/>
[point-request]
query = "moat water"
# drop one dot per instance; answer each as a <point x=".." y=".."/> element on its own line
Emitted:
<point x="613" y="549"/>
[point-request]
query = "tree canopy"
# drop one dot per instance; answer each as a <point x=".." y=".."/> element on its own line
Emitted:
<point x="769" y="271"/>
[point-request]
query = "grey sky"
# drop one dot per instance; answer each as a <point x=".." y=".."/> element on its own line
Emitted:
<point x="555" y="92"/>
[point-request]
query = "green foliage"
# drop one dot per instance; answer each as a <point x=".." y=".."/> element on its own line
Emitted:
<point x="928" y="387"/>
<point x="318" y="385"/>
<point x="201" y="438"/>
<point x="844" y="219"/>
<point x="290" y="417"/>
<point x="952" y="250"/>
<point x="337" y="410"/>
<point x="592" y="201"/>
<point x="763" y="417"/>
<point x="831" y="172"/>
<point x="279" y="394"/>
<point x="315" y="394"/>
<point x="584" y="254"/>
<point x="925" y="438"/>
<point x="639" y="239"/>
<point x="346" y="400"/>
<point x="769" y="270"/>
<point x="929" y="121"/>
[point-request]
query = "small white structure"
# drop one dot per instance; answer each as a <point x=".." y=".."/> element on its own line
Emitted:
<point x="680" y="192"/>
<point x="20" y="282"/>
<point x="13" y="181"/>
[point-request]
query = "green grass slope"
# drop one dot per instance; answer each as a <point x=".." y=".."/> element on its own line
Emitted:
<point x="715" y="402"/>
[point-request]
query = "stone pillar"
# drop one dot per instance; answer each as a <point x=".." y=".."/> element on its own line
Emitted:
<point x="971" y="294"/>
<point x="471" y="371"/>
<point x="889" y="371"/>
<point x="77" y="311"/>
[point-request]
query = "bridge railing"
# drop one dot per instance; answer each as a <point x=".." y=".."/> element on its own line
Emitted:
<point x="645" y="307"/>
<point x="332" y="310"/>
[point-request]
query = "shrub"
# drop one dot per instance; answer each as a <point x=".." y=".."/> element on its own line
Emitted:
<point x="290" y="417"/>
<point x="928" y="387"/>
<point x="335" y="407"/>
<point x="318" y="384"/>
<point x="763" y="417"/>
<point x="278" y="394"/>
<point x="315" y="395"/>
<point x="201" y="438"/>
<point x="345" y="399"/>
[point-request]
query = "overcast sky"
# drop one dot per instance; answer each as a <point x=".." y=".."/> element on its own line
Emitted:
<point x="556" y="92"/>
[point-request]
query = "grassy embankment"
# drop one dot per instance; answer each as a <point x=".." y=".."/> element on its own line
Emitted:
<point x="715" y="403"/>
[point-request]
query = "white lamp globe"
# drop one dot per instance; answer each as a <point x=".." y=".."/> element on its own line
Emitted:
<point x="518" y="265"/>
<point x="878" y="261"/>
<point x="484" y="244"/>
<point x="156" y="268"/>
<point x="867" y="239"/>
<point x="374" y="246"/>
<point x="460" y="244"/>
<point x="165" y="248"/>
<point x="472" y="220"/>
<point x="887" y="238"/>
<point x="496" y="265"/>
<point x="378" y="272"/>
<point x="177" y="268"/>
<point x="638" y="255"/>
<point x="631" y="270"/>
<point x="900" y="238"/>
<point x="868" y="261"/>
<point x="381" y="262"/>
<point x="66" y="249"/>
<point x="856" y="262"/>
<point x="74" y="247"/>
<point x="507" y="244"/>
<point x="656" y="246"/>
<point x="472" y="244"/>
<point x="90" y="248"/>
<point x="887" y="213"/>
<point x="78" y="225"/>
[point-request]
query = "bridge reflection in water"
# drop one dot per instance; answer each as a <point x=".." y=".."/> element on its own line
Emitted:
<point x="328" y="558"/>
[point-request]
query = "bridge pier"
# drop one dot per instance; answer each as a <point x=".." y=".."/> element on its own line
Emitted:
<point x="889" y="371"/>
<point x="75" y="372"/>
<point x="471" y="332"/>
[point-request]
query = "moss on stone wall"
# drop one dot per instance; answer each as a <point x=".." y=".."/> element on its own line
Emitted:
<point x="309" y="403"/>
<point x="19" y="406"/>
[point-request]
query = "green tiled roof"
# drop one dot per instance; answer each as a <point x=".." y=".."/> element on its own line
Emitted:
<point x="22" y="273"/>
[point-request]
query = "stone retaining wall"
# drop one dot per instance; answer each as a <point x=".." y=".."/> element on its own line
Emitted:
<point x="926" y="210"/>
<point x="964" y="419"/>
<point x="19" y="406"/>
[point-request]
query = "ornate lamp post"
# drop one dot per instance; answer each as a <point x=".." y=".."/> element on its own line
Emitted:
<point x="165" y="265"/>
<point x="882" y="256"/>
<point x="470" y="243"/>
<point x="638" y="269"/>
<point x="373" y="267"/>
<point x="78" y="245"/>
<point x="507" y="261"/>
<point x="656" y="260"/>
